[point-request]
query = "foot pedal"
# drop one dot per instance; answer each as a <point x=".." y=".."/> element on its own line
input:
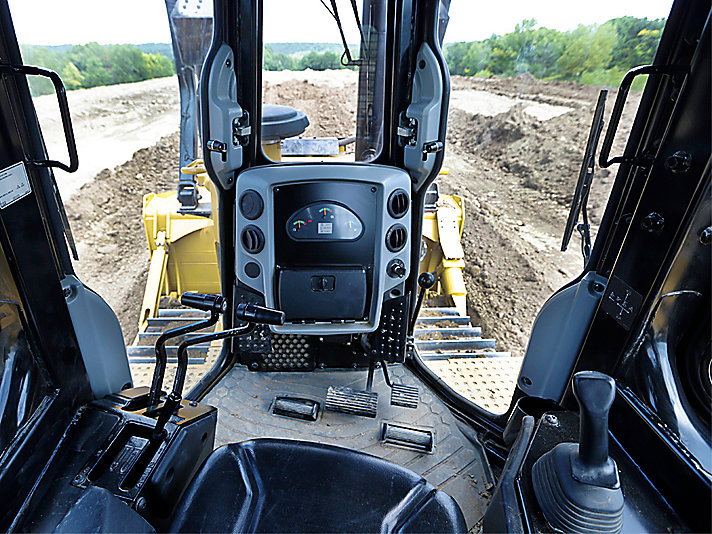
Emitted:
<point x="405" y="396"/>
<point x="346" y="400"/>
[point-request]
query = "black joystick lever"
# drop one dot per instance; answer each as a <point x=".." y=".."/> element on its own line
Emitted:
<point x="577" y="484"/>
<point x="250" y="313"/>
<point x="426" y="280"/>
<point x="595" y="393"/>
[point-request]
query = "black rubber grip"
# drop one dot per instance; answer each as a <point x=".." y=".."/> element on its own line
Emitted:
<point x="252" y="313"/>
<point x="204" y="301"/>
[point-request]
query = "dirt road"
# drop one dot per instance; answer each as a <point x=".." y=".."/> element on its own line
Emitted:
<point x="110" y="124"/>
<point x="514" y="149"/>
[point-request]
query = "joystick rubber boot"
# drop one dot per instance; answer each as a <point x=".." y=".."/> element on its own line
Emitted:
<point x="577" y="485"/>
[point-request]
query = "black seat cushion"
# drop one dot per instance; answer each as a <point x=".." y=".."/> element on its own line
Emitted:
<point x="276" y="485"/>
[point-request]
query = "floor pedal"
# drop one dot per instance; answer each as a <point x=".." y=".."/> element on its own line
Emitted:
<point x="405" y="396"/>
<point x="346" y="400"/>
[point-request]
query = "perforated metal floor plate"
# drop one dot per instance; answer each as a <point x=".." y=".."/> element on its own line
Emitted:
<point x="142" y="373"/>
<point x="457" y="464"/>
<point x="488" y="382"/>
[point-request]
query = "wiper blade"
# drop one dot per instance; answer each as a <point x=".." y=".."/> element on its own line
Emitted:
<point x="583" y="185"/>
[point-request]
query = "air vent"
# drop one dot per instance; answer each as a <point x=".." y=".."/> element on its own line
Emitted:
<point x="396" y="237"/>
<point x="398" y="203"/>
<point x="253" y="240"/>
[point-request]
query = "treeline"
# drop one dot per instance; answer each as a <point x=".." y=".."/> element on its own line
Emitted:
<point x="314" y="60"/>
<point x="91" y="65"/>
<point x="596" y="55"/>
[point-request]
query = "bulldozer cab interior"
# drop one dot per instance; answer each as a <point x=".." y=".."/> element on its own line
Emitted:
<point x="316" y="413"/>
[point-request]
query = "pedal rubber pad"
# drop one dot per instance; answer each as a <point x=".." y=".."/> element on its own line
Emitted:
<point x="346" y="400"/>
<point x="405" y="396"/>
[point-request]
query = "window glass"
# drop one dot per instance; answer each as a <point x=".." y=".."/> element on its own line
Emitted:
<point x="323" y="79"/>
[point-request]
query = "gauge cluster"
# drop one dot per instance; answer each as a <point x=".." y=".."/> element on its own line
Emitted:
<point x="319" y="242"/>
<point x="324" y="221"/>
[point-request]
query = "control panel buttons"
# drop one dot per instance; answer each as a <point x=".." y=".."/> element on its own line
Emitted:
<point x="396" y="269"/>
<point x="252" y="269"/>
<point x="251" y="204"/>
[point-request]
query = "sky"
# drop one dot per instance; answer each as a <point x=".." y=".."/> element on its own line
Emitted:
<point x="54" y="22"/>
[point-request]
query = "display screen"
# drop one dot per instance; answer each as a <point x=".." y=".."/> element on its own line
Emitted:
<point x="324" y="221"/>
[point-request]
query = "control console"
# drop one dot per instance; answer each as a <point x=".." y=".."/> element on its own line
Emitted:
<point x="326" y="244"/>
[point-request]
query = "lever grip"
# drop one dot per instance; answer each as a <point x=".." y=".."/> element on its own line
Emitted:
<point x="252" y="313"/>
<point x="204" y="301"/>
<point x="426" y="280"/>
<point x="594" y="392"/>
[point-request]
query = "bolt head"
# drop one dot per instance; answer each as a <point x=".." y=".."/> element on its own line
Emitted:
<point x="551" y="419"/>
<point x="652" y="222"/>
<point x="706" y="236"/>
<point x="680" y="162"/>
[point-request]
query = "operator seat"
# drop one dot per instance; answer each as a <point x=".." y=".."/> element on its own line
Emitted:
<point x="277" y="485"/>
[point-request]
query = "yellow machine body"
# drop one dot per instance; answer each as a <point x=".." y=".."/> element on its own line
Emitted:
<point x="182" y="245"/>
<point x="441" y="249"/>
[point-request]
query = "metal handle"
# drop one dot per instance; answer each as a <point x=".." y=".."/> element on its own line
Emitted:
<point x="603" y="160"/>
<point x="28" y="70"/>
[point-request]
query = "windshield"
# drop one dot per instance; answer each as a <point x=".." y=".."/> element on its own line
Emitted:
<point x="323" y="83"/>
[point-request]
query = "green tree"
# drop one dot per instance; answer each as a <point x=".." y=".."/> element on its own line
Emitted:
<point x="272" y="60"/>
<point x="157" y="65"/>
<point x="71" y="76"/>
<point x="325" y="61"/>
<point x="588" y="48"/>
<point x="93" y="63"/>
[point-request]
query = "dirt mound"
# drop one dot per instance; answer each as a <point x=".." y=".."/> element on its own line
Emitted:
<point x="542" y="155"/>
<point x="331" y="110"/>
<point x="105" y="217"/>
<point x="517" y="174"/>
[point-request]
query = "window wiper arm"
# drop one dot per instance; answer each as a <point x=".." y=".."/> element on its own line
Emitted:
<point x="583" y="185"/>
<point x="334" y="12"/>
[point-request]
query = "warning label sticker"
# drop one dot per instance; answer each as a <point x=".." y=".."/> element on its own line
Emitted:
<point x="14" y="184"/>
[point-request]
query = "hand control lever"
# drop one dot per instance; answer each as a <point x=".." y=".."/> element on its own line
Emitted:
<point x="577" y="484"/>
<point x="215" y="304"/>
<point x="251" y="313"/>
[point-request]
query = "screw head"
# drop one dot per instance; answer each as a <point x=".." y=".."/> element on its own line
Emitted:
<point x="706" y="236"/>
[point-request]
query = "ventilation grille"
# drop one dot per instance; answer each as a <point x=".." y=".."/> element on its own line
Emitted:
<point x="289" y="353"/>
<point x="253" y="240"/>
<point x="398" y="203"/>
<point x="396" y="238"/>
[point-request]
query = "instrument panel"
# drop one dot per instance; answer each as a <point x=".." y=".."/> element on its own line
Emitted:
<point x="317" y="242"/>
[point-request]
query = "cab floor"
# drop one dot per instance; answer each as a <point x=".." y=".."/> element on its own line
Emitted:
<point x="457" y="465"/>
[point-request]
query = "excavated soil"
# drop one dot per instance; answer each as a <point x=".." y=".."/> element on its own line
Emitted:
<point x="514" y="150"/>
